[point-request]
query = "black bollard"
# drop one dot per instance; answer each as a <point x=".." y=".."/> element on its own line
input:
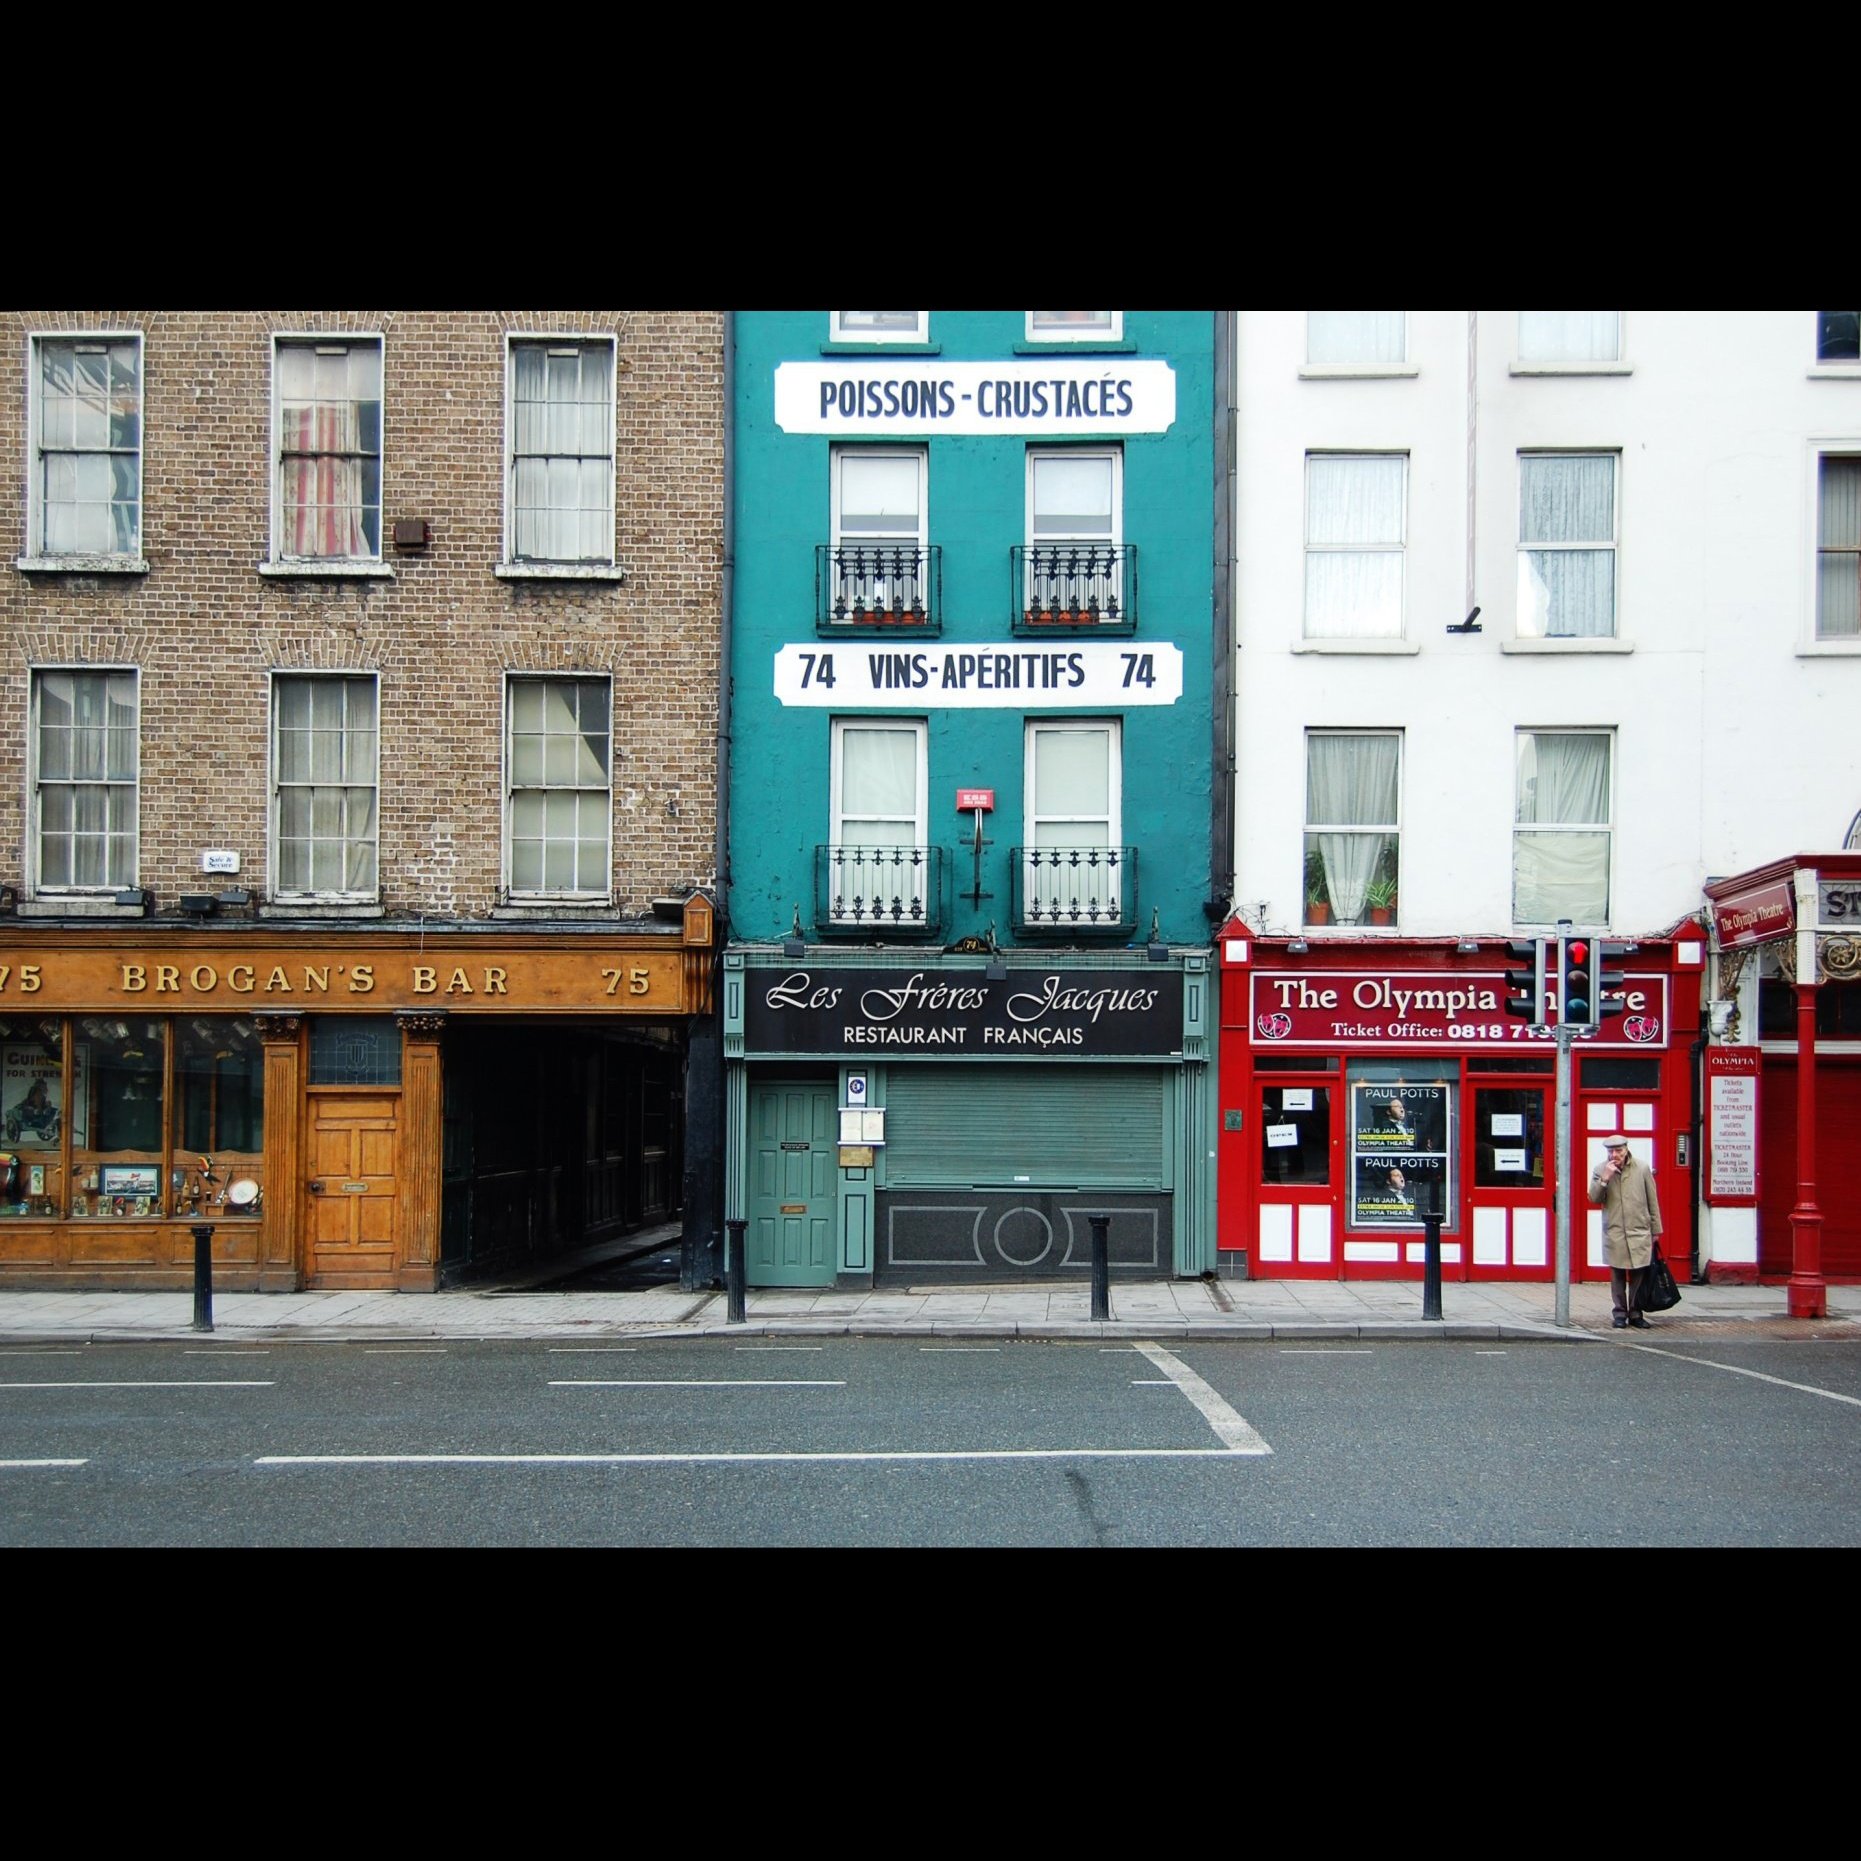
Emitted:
<point x="1431" y="1265"/>
<point x="733" y="1272"/>
<point x="1101" y="1266"/>
<point x="203" y="1279"/>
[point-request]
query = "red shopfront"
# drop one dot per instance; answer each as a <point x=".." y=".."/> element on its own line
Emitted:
<point x="1366" y="1083"/>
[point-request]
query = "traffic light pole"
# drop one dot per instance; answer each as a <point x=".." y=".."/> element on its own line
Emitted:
<point x="1566" y="1177"/>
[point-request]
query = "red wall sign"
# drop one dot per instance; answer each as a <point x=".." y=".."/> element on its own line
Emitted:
<point x="1763" y="912"/>
<point x="967" y="798"/>
<point x="1332" y="1008"/>
<point x="1732" y="1126"/>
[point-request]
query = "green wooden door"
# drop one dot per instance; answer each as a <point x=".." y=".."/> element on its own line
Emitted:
<point x="790" y="1237"/>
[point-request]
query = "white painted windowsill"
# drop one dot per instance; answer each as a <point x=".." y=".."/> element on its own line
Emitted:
<point x="1356" y="646"/>
<point x="559" y="572"/>
<point x="317" y="908"/>
<point x="81" y="565"/>
<point x="1358" y="371"/>
<point x="329" y="568"/>
<point x="1610" y="645"/>
<point x="76" y="905"/>
<point x="1572" y="368"/>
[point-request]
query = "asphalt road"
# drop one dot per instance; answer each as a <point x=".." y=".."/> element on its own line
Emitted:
<point x="931" y="1442"/>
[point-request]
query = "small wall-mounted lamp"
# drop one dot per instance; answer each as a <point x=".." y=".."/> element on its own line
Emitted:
<point x="1297" y="947"/>
<point x="996" y="969"/>
<point x="1721" y="1013"/>
<point x="199" y="904"/>
<point x="1156" y="949"/>
<point x="139" y="896"/>
<point x="1468" y="946"/>
<point x="795" y="944"/>
<point x="238" y="896"/>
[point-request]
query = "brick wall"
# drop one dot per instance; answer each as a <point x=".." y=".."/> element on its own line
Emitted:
<point x="206" y="629"/>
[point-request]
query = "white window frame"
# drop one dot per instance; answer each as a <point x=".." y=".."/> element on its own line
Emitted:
<point x="1043" y="889"/>
<point x="853" y="874"/>
<point x="344" y="343"/>
<point x="1819" y="641"/>
<point x="1038" y="455"/>
<point x="276" y="889"/>
<point x="1588" y="546"/>
<point x="908" y="589"/>
<point x="40" y="783"/>
<point x="601" y="566"/>
<point x="1604" y="827"/>
<point x="1526" y="364"/>
<point x="1398" y="547"/>
<point x="1359" y="364"/>
<point x="584" y="895"/>
<point x="37" y="551"/>
<point x="1381" y="830"/>
<point x="1111" y="330"/>
<point x="839" y="330"/>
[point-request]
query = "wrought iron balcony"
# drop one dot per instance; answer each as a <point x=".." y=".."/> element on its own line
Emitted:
<point x="1082" y="587"/>
<point x="879" y="891"/>
<point x="1075" y="890"/>
<point x="878" y="588"/>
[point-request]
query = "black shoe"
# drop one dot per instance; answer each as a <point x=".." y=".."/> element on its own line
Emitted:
<point x="1621" y="1323"/>
<point x="1639" y="1323"/>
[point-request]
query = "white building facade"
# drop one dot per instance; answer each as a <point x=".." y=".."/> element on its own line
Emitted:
<point x="1540" y="617"/>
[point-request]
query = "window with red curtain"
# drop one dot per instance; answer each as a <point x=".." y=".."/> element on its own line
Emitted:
<point x="329" y="450"/>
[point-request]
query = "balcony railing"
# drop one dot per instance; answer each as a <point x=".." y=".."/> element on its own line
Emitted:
<point x="878" y="588"/>
<point x="1075" y="890"/>
<point x="1082" y="587"/>
<point x="879" y="891"/>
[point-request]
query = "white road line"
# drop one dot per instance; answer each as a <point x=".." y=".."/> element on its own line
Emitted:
<point x="686" y="1460"/>
<point x="696" y="1382"/>
<point x="1489" y="1353"/>
<point x="44" y="1463"/>
<point x="1151" y="1382"/>
<point x="405" y="1350"/>
<point x="178" y="1383"/>
<point x="1807" y="1389"/>
<point x="961" y="1350"/>
<point x="1228" y="1423"/>
<point x="231" y="1353"/>
<point x="37" y="1350"/>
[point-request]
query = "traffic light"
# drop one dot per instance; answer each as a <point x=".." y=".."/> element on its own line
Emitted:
<point x="1610" y="983"/>
<point x="1578" y="959"/>
<point x="1525" y="985"/>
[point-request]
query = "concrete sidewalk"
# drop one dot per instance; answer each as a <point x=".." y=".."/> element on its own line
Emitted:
<point x="1190" y="1309"/>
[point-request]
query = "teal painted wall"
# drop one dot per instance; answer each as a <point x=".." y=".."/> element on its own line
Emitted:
<point x="976" y="508"/>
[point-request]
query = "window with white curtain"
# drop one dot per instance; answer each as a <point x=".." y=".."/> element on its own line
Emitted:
<point x="1561" y="840"/>
<point x="1075" y="326"/>
<point x="1838" y="548"/>
<point x="1567" y="545"/>
<point x="878" y="531"/>
<point x="325" y="786"/>
<point x="1570" y="335"/>
<point x="1355" y="521"/>
<point x="326" y="492"/>
<point x="1353" y="832"/>
<point x="878" y="831"/>
<point x="1376" y="338"/>
<point x="87" y="446"/>
<point x="1074" y="871"/>
<point x="1838" y="335"/>
<point x="1075" y="529"/>
<point x="558" y="809"/>
<point x="84" y="765"/>
<point x="879" y="326"/>
<point x="561" y="440"/>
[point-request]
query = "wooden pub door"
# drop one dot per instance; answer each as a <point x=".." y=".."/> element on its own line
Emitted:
<point x="353" y="1218"/>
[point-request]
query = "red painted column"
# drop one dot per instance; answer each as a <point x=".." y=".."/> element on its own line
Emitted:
<point x="1807" y="1294"/>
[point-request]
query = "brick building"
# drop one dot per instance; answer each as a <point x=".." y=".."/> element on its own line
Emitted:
<point x="357" y="788"/>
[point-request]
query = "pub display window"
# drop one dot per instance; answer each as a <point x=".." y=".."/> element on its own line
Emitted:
<point x="1403" y="1133"/>
<point x="142" y="1104"/>
<point x="1295" y="1135"/>
<point x="1508" y="1137"/>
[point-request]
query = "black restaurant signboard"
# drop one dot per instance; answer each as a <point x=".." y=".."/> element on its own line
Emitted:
<point x="900" y="1013"/>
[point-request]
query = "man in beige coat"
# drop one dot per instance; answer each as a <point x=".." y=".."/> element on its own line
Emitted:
<point x="1622" y="1186"/>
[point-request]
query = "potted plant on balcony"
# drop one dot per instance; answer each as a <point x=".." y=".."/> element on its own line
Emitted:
<point x="1379" y="897"/>
<point x="1317" y="897"/>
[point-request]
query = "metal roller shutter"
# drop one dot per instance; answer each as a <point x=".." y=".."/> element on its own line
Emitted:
<point x="965" y="1125"/>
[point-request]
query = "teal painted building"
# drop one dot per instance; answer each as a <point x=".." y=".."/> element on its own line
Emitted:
<point x="977" y="810"/>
